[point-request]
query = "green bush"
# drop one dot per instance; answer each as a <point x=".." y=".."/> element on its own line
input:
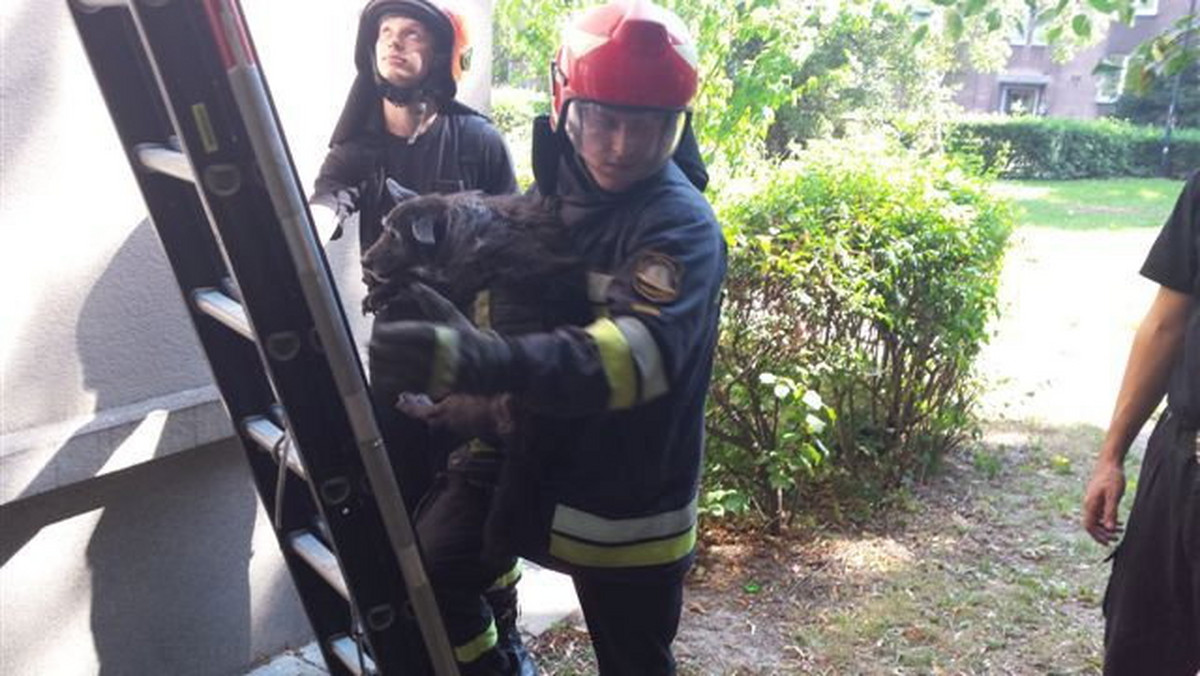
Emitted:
<point x="860" y="287"/>
<point x="513" y="109"/>
<point x="1057" y="148"/>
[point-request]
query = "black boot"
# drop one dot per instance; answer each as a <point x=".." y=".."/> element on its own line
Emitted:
<point x="508" y="636"/>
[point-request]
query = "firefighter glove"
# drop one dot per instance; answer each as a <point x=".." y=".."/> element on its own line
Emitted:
<point x="441" y="356"/>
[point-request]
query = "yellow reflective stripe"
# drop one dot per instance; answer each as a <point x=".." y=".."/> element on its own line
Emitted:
<point x="476" y="647"/>
<point x="652" y="374"/>
<point x="594" y="528"/>
<point x="655" y="553"/>
<point x="618" y="363"/>
<point x="508" y="579"/>
<point x="445" y="361"/>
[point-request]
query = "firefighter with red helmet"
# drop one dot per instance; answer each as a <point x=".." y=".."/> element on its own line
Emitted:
<point x="608" y="488"/>
<point x="401" y="125"/>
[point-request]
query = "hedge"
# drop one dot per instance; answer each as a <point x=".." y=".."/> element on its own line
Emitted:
<point x="861" y="284"/>
<point x="1057" y="148"/>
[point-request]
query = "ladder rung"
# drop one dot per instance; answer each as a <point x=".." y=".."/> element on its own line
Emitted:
<point x="223" y="309"/>
<point x="165" y="160"/>
<point x="268" y="436"/>
<point x="93" y="5"/>
<point x="347" y="651"/>
<point x="308" y="547"/>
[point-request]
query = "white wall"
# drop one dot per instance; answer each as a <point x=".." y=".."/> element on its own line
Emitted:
<point x="103" y="553"/>
<point x="93" y="335"/>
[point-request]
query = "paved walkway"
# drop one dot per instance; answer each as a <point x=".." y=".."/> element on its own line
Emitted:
<point x="546" y="598"/>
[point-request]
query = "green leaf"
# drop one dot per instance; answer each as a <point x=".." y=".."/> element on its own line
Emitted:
<point x="752" y="587"/>
<point x="1104" y="6"/>
<point x="994" y="20"/>
<point x="954" y="25"/>
<point x="920" y="34"/>
<point x="1082" y="25"/>
<point x="1177" y="63"/>
<point x="973" y="7"/>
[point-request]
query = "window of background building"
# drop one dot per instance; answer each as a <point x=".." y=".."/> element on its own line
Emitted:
<point x="1145" y="7"/>
<point x="1021" y="99"/>
<point x="1110" y="78"/>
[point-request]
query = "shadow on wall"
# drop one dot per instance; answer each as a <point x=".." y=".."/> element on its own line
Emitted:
<point x="169" y="556"/>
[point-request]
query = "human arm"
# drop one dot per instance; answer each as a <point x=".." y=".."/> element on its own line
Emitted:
<point x="337" y="190"/>
<point x="650" y="339"/>
<point x="1156" y="347"/>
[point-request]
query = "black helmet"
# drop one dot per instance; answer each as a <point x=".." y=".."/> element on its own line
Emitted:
<point x="450" y="48"/>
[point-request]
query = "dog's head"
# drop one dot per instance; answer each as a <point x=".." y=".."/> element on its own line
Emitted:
<point x="433" y="239"/>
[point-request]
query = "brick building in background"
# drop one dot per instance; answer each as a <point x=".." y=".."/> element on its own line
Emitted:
<point x="1033" y="82"/>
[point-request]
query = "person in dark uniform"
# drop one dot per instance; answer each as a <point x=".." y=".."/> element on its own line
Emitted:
<point x="613" y="410"/>
<point x="402" y="125"/>
<point x="1152" y="605"/>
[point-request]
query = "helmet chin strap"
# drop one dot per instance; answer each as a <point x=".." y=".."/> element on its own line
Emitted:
<point x="401" y="96"/>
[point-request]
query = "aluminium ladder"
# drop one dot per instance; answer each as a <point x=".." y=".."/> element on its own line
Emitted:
<point x="194" y="115"/>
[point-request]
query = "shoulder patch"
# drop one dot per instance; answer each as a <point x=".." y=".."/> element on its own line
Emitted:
<point x="656" y="277"/>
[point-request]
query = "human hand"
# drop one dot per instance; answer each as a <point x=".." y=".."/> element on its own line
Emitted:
<point x="467" y="415"/>
<point x="446" y="355"/>
<point x="1101" y="499"/>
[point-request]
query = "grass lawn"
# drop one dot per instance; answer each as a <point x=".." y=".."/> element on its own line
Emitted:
<point x="1094" y="203"/>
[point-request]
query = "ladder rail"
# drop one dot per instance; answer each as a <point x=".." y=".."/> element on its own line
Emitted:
<point x="263" y="131"/>
<point x="317" y="335"/>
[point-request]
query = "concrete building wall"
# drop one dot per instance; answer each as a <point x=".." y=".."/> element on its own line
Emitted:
<point x="132" y="540"/>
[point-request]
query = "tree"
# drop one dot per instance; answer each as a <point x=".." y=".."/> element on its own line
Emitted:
<point x="820" y="60"/>
<point x="1070" y="24"/>
<point x="1151" y="106"/>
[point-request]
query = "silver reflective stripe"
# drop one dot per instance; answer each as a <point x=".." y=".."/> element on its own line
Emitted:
<point x="652" y="374"/>
<point x="580" y="524"/>
<point x="598" y="284"/>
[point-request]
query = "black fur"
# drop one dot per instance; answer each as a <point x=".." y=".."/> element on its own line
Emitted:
<point x="463" y="243"/>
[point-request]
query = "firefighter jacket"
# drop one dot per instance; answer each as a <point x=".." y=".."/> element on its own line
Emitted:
<point x="610" y="482"/>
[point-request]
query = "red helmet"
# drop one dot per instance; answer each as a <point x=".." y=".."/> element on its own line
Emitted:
<point x="626" y="52"/>
<point x="622" y="81"/>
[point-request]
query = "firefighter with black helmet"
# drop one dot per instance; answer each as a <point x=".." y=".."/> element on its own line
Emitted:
<point x="615" y="407"/>
<point x="401" y="125"/>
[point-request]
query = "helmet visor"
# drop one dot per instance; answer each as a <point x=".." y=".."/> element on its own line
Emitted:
<point x="621" y="145"/>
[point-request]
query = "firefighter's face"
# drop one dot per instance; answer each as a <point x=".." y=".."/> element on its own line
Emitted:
<point x="621" y="146"/>
<point x="403" y="50"/>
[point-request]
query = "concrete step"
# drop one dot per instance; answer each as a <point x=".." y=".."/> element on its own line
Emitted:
<point x="546" y="598"/>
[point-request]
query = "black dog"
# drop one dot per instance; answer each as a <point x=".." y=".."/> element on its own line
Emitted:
<point x="513" y="246"/>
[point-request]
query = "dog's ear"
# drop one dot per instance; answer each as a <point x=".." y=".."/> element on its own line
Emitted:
<point x="398" y="192"/>
<point x="424" y="230"/>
